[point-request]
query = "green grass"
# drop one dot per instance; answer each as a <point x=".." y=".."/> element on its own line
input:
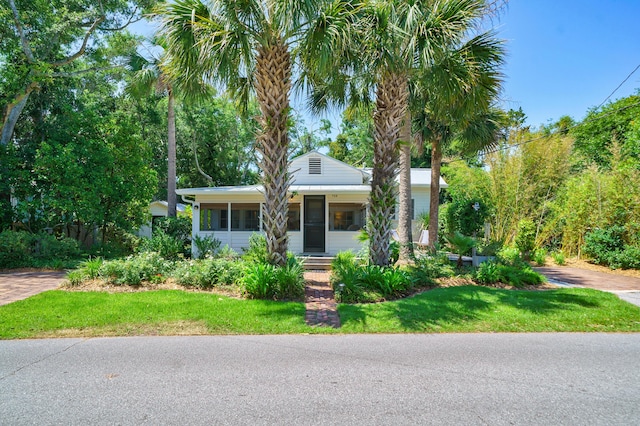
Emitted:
<point x="455" y="309"/>
<point x="483" y="309"/>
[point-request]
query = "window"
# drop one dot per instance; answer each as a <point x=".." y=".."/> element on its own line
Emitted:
<point x="245" y="217"/>
<point x="214" y="217"/>
<point x="346" y="216"/>
<point x="315" y="166"/>
<point x="293" y="221"/>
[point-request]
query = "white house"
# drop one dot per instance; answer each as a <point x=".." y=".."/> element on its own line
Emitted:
<point x="157" y="209"/>
<point x="327" y="206"/>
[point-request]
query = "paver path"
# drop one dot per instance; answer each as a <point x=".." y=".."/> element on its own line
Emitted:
<point x="320" y="300"/>
<point x="20" y="285"/>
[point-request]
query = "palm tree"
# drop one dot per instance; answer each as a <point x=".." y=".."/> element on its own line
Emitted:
<point x="457" y="97"/>
<point x="152" y="75"/>
<point x="248" y="47"/>
<point x="390" y="42"/>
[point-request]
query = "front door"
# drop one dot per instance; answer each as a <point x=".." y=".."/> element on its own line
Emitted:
<point x="314" y="223"/>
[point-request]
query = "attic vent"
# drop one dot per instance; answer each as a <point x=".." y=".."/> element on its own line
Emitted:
<point x="315" y="166"/>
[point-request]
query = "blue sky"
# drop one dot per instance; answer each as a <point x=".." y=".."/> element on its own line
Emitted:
<point x="566" y="56"/>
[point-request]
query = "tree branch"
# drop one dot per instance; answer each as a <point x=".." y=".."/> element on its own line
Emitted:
<point x="129" y="22"/>
<point x="82" y="49"/>
<point x="23" y="39"/>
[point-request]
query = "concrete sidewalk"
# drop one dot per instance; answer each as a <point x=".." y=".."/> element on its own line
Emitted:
<point x="627" y="288"/>
<point x="20" y="285"/>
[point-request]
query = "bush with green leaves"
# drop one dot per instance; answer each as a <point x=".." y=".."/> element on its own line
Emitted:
<point x="558" y="257"/>
<point x="516" y="275"/>
<point x="601" y="244"/>
<point x="23" y="249"/>
<point x="208" y="273"/>
<point x="265" y="281"/>
<point x="427" y="267"/>
<point x="147" y="266"/>
<point x="509" y="256"/>
<point x="167" y="246"/>
<point x="526" y="237"/>
<point x="354" y="282"/>
<point x="178" y="227"/>
<point x="206" y="245"/>
<point x="466" y="215"/>
<point x="257" y="250"/>
<point x="540" y="256"/>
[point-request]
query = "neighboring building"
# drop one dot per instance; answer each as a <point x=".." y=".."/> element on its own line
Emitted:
<point x="158" y="209"/>
<point x="327" y="206"/>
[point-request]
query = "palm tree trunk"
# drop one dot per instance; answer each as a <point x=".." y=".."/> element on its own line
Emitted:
<point x="434" y="199"/>
<point x="391" y="101"/>
<point x="171" y="156"/>
<point x="404" y="209"/>
<point x="273" y="84"/>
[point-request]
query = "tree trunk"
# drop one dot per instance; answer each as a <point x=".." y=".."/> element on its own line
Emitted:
<point x="171" y="156"/>
<point x="273" y="84"/>
<point x="434" y="199"/>
<point x="404" y="209"/>
<point x="391" y="102"/>
<point x="12" y="113"/>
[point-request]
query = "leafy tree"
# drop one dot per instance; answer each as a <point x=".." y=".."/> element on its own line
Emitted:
<point x="153" y="75"/>
<point x="42" y="42"/>
<point x="215" y="144"/>
<point x="304" y="140"/>
<point x="247" y="47"/>
<point x="615" y="122"/>
<point x="354" y="143"/>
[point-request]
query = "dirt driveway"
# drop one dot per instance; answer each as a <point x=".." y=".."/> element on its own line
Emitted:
<point x="19" y="285"/>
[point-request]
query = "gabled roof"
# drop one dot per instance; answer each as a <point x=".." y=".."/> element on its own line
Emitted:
<point x="330" y="159"/>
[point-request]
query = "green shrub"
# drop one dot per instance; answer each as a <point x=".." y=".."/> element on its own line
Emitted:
<point x="526" y="237"/>
<point x="509" y="256"/>
<point x="149" y="266"/>
<point x="353" y="282"/>
<point x="178" y="227"/>
<point x="558" y="257"/>
<point x="488" y="273"/>
<point x="22" y="249"/>
<point x="629" y="258"/>
<point x="516" y="275"/>
<point x="602" y="244"/>
<point x="540" y="256"/>
<point x="206" y="246"/>
<point x="167" y="246"/>
<point x="257" y="250"/>
<point x="76" y="277"/>
<point x="460" y="244"/>
<point x="428" y="267"/>
<point x="462" y="216"/>
<point x="15" y="249"/>
<point x="260" y="281"/>
<point x="290" y="280"/>
<point x="208" y="273"/>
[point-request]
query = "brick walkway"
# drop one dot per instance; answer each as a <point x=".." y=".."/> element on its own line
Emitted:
<point x="20" y="285"/>
<point x="321" y="304"/>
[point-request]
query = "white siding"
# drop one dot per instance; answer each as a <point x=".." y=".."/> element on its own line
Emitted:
<point x="342" y="240"/>
<point x="333" y="172"/>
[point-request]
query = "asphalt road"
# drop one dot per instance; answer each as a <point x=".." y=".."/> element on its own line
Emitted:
<point x="496" y="379"/>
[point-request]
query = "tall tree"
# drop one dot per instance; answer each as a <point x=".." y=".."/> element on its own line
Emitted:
<point x="392" y="40"/>
<point x="41" y="41"/>
<point x="247" y="47"/>
<point x="457" y="94"/>
<point x="153" y="75"/>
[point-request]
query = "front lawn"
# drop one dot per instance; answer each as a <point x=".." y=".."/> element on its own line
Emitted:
<point x="454" y="309"/>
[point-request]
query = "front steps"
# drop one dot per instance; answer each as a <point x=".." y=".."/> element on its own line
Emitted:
<point x="317" y="263"/>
